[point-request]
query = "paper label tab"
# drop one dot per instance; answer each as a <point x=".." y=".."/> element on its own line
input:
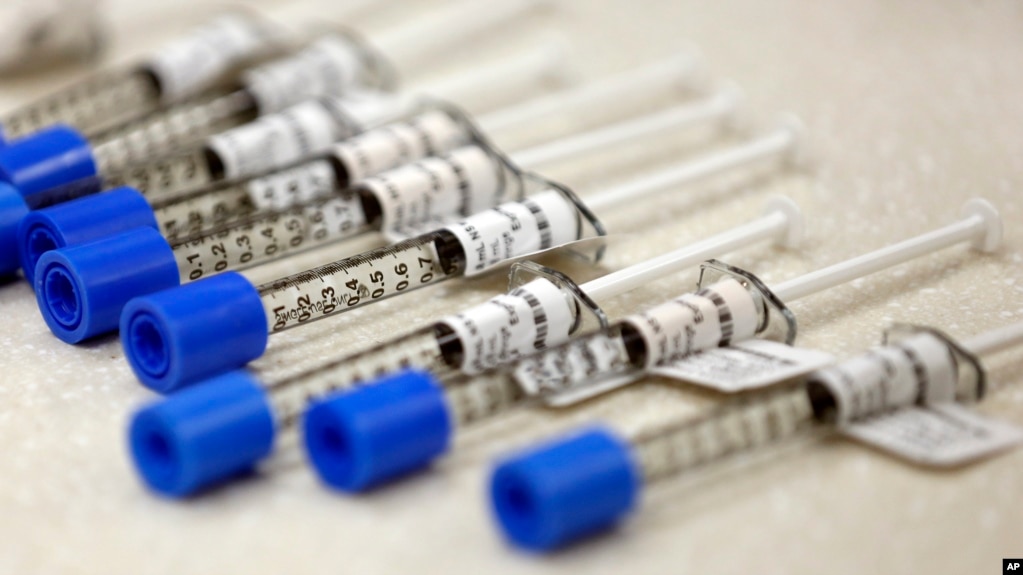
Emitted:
<point x="745" y="365"/>
<point x="936" y="436"/>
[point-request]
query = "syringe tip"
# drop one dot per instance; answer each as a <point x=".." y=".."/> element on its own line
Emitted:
<point x="81" y="290"/>
<point x="366" y="437"/>
<point x="81" y="221"/>
<point x="566" y="490"/>
<point x="13" y="209"/>
<point x="202" y="436"/>
<point x="179" y="336"/>
<point x="47" y="159"/>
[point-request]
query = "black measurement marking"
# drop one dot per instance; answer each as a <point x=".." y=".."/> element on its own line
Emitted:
<point x="724" y="314"/>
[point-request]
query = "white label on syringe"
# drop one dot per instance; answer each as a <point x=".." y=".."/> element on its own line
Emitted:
<point x="946" y="435"/>
<point x="190" y="64"/>
<point x="436" y="190"/>
<point x="532" y="317"/>
<point x="399" y="143"/>
<point x="716" y="315"/>
<point x="744" y="365"/>
<point x="278" y="140"/>
<point x="299" y="185"/>
<point x="589" y="361"/>
<point x="918" y="369"/>
<point x="516" y="229"/>
<point x="328" y="67"/>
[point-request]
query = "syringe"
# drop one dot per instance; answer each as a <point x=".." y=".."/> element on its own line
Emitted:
<point x="332" y="66"/>
<point x="584" y="483"/>
<point x="275" y="140"/>
<point x="183" y="68"/>
<point x="97" y="216"/>
<point x="438" y="130"/>
<point x="537" y="313"/>
<point x="359" y="439"/>
<point x="167" y="335"/>
<point x="465" y="181"/>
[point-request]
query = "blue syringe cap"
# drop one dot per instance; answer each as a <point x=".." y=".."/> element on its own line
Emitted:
<point x="81" y="290"/>
<point x="203" y="436"/>
<point x="560" y="492"/>
<point x="365" y="437"/>
<point x="49" y="158"/>
<point x="193" y="332"/>
<point x="13" y="209"/>
<point x="81" y="221"/>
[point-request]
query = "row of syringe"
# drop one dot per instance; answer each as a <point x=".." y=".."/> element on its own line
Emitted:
<point x="361" y="438"/>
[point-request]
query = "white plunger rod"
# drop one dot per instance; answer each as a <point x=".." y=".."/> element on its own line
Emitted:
<point x="602" y="93"/>
<point x="776" y="143"/>
<point x="506" y="75"/>
<point x="782" y="216"/>
<point x="711" y="110"/>
<point x="977" y="225"/>
<point x="447" y="27"/>
<point x="995" y="340"/>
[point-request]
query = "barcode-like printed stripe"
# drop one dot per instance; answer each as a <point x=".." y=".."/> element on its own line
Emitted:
<point x="464" y="187"/>
<point x="724" y="314"/>
<point x="923" y="383"/>
<point x="539" y="317"/>
<point x="543" y="225"/>
<point x="425" y="137"/>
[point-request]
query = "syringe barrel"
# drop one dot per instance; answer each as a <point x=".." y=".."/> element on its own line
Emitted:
<point x="717" y="315"/>
<point x="348" y="162"/>
<point x="214" y="54"/>
<point x="183" y="68"/>
<point x="919" y="369"/>
<point x="359" y="280"/>
<point x="172" y="131"/>
<point x="444" y="184"/>
<point x="272" y="142"/>
<point x="111" y="98"/>
<point x="736" y="427"/>
<point x="420" y="349"/>
<point x="483" y="397"/>
<point x="265" y="238"/>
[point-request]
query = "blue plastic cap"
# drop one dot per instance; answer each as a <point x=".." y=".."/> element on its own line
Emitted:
<point x="564" y="491"/>
<point x="203" y="436"/>
<point x="193" y="332"/>
<point x="81" y="290"/>
<point x="46" y="159"/>
<point x="12" y="210"/>
<point x="81" y="221"/>
<point x="365" y="437"/>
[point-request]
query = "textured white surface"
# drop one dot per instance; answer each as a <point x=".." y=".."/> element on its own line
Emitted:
<point x="911" y="107"/>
